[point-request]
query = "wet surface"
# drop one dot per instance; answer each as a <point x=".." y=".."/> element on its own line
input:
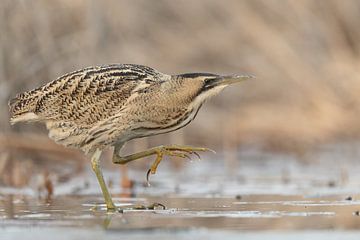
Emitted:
<point x="252" y="212"/>
<point x="279" y="194"/>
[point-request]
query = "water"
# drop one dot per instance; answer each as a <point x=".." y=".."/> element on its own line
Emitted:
<point x="203" y="200"/>
<point x="252" y="212"/>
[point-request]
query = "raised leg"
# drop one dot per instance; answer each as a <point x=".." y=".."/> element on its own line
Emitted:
<point x="95" y="164"/>
<point x="160" y="151"/>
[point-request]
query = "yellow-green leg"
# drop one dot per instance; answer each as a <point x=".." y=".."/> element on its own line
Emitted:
<point x="95" y="164"/>
<point x="160" y="151"/>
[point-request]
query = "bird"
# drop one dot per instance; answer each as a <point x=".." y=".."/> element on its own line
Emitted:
<point x="102" y="106"/>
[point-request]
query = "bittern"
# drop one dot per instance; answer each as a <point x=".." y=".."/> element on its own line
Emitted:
<point x="102" y="106"/>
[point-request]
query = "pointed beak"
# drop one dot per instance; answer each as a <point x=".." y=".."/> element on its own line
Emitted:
<point x="224" y="80"/>
<point x="230" y="79"/>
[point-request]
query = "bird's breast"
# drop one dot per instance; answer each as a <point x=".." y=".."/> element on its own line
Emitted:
<point x="168" y="123"/>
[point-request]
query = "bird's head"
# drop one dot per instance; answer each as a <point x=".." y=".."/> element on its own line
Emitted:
<point x="208" y="84"/>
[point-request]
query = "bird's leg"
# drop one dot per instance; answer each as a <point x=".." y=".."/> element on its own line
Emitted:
<point x="160" y="151"/>
<point x="95" y="164"/>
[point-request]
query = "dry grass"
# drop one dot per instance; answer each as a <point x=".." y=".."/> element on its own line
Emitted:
<point x="305" y="55"/>
<point x="24" y="157"/>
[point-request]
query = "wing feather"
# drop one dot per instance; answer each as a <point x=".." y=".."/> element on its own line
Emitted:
<point x="75" y="105"/>
<point x="85" y="96"/>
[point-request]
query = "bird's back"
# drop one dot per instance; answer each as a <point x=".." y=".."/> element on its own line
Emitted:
<point x="76" y="102"/>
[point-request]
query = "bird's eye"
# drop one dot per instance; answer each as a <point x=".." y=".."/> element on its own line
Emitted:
<point x="209" y="83"/>
<point x="208" y="80"/>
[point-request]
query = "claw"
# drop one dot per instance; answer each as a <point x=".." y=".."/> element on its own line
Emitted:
<point x="147" y="178"/>
<point x="187" y="156"/>
<point x="210" y="150"/>
<point x="176" y="151"/>
<point x="183" y="155"/>
<point x="196" y="154"/>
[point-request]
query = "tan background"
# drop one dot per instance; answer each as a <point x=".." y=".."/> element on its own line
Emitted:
<point x="305" y="55"/>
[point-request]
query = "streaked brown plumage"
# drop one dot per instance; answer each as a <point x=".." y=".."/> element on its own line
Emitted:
<point x="102" y="106"/>
<point x="80" y="106"/>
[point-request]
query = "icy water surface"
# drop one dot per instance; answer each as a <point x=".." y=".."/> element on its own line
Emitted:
<point x="206" y="199"/>
<point x="252" y="212"/>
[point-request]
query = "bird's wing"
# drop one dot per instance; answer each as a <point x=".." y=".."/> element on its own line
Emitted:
<point x="84" y="97"/>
